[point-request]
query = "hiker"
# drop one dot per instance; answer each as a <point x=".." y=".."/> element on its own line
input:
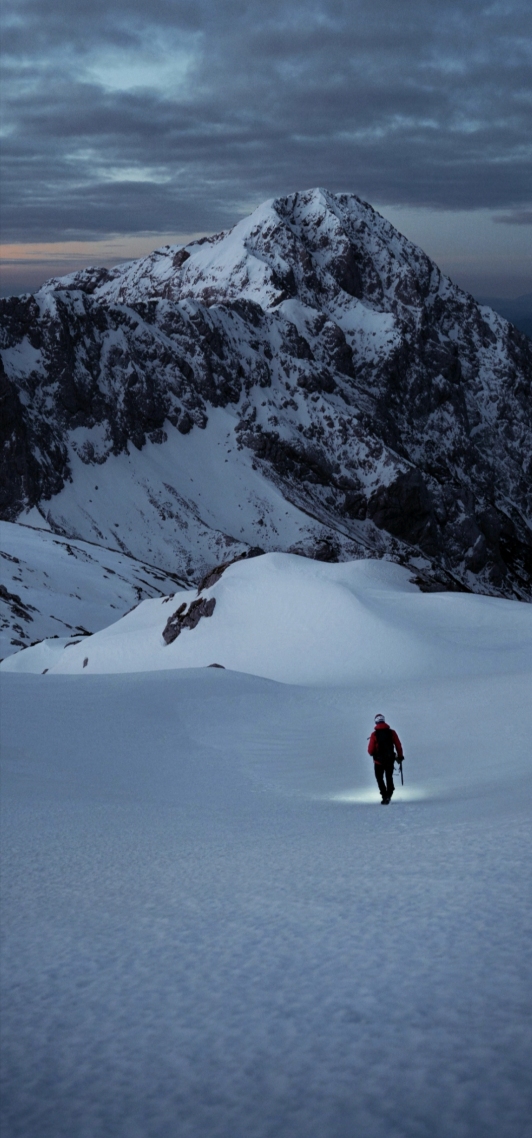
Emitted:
<point x="384" y="747"/>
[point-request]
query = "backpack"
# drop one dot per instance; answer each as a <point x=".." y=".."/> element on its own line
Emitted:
<point x="385" y="745"/>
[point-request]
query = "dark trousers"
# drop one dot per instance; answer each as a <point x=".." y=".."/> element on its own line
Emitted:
<point x="384" y="776"/>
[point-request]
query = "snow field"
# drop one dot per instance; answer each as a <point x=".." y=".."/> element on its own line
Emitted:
<point x="205" y="935"/>
<point x="211" y="926"/>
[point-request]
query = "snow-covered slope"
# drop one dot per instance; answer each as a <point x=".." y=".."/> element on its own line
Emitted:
<point x="192" y="501"/>
<point x="211" y="927"/>
<point x="300" y="621"/>
<point x="53" y="587"/>
<point x="308" y="380"/>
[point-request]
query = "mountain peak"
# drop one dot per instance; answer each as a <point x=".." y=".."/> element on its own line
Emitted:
<point x="284" y="244"/>
<point x="306" y="381"/>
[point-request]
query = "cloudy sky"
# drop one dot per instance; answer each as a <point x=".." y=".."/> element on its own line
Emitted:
<point x="128" y="123"/>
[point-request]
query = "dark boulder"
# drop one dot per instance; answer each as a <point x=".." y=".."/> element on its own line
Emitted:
<point x="187" y="617"/>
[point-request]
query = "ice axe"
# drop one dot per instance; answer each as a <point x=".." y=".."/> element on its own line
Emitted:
<point x="400" y="761"/>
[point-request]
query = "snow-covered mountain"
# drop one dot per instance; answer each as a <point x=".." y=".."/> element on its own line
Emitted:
<point x="307" y="382"/>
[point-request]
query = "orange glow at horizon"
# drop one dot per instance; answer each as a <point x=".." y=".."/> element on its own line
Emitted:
<point x="34" y="253"/>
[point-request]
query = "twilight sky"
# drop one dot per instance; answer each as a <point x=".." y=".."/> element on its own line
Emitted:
<point x="129" y="123"/>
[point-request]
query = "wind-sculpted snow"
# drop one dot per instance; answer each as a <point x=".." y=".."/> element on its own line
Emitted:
<point x="345" y="398"/>
<point x="211" y="928"/>
<point x="295" y="620"/>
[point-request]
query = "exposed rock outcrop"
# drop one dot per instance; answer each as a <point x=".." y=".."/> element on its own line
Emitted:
<point x="187" y="616"/>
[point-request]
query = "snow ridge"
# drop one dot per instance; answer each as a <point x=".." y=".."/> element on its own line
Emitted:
<point x="299" y="621"/>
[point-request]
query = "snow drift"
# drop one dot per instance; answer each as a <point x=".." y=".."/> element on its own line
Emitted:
<point x="300" y="621"/>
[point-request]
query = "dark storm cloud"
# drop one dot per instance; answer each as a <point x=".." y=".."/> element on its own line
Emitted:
<point x="518" y="217"/>
<point x="174" y="116"/>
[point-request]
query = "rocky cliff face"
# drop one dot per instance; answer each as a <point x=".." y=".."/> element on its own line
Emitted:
<point x="308" y="380"/>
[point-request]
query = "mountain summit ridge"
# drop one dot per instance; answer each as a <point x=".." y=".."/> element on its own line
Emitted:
<point x="306" y="381"/>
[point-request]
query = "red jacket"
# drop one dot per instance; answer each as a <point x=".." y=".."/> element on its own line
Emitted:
<point x="373" y="745"/>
